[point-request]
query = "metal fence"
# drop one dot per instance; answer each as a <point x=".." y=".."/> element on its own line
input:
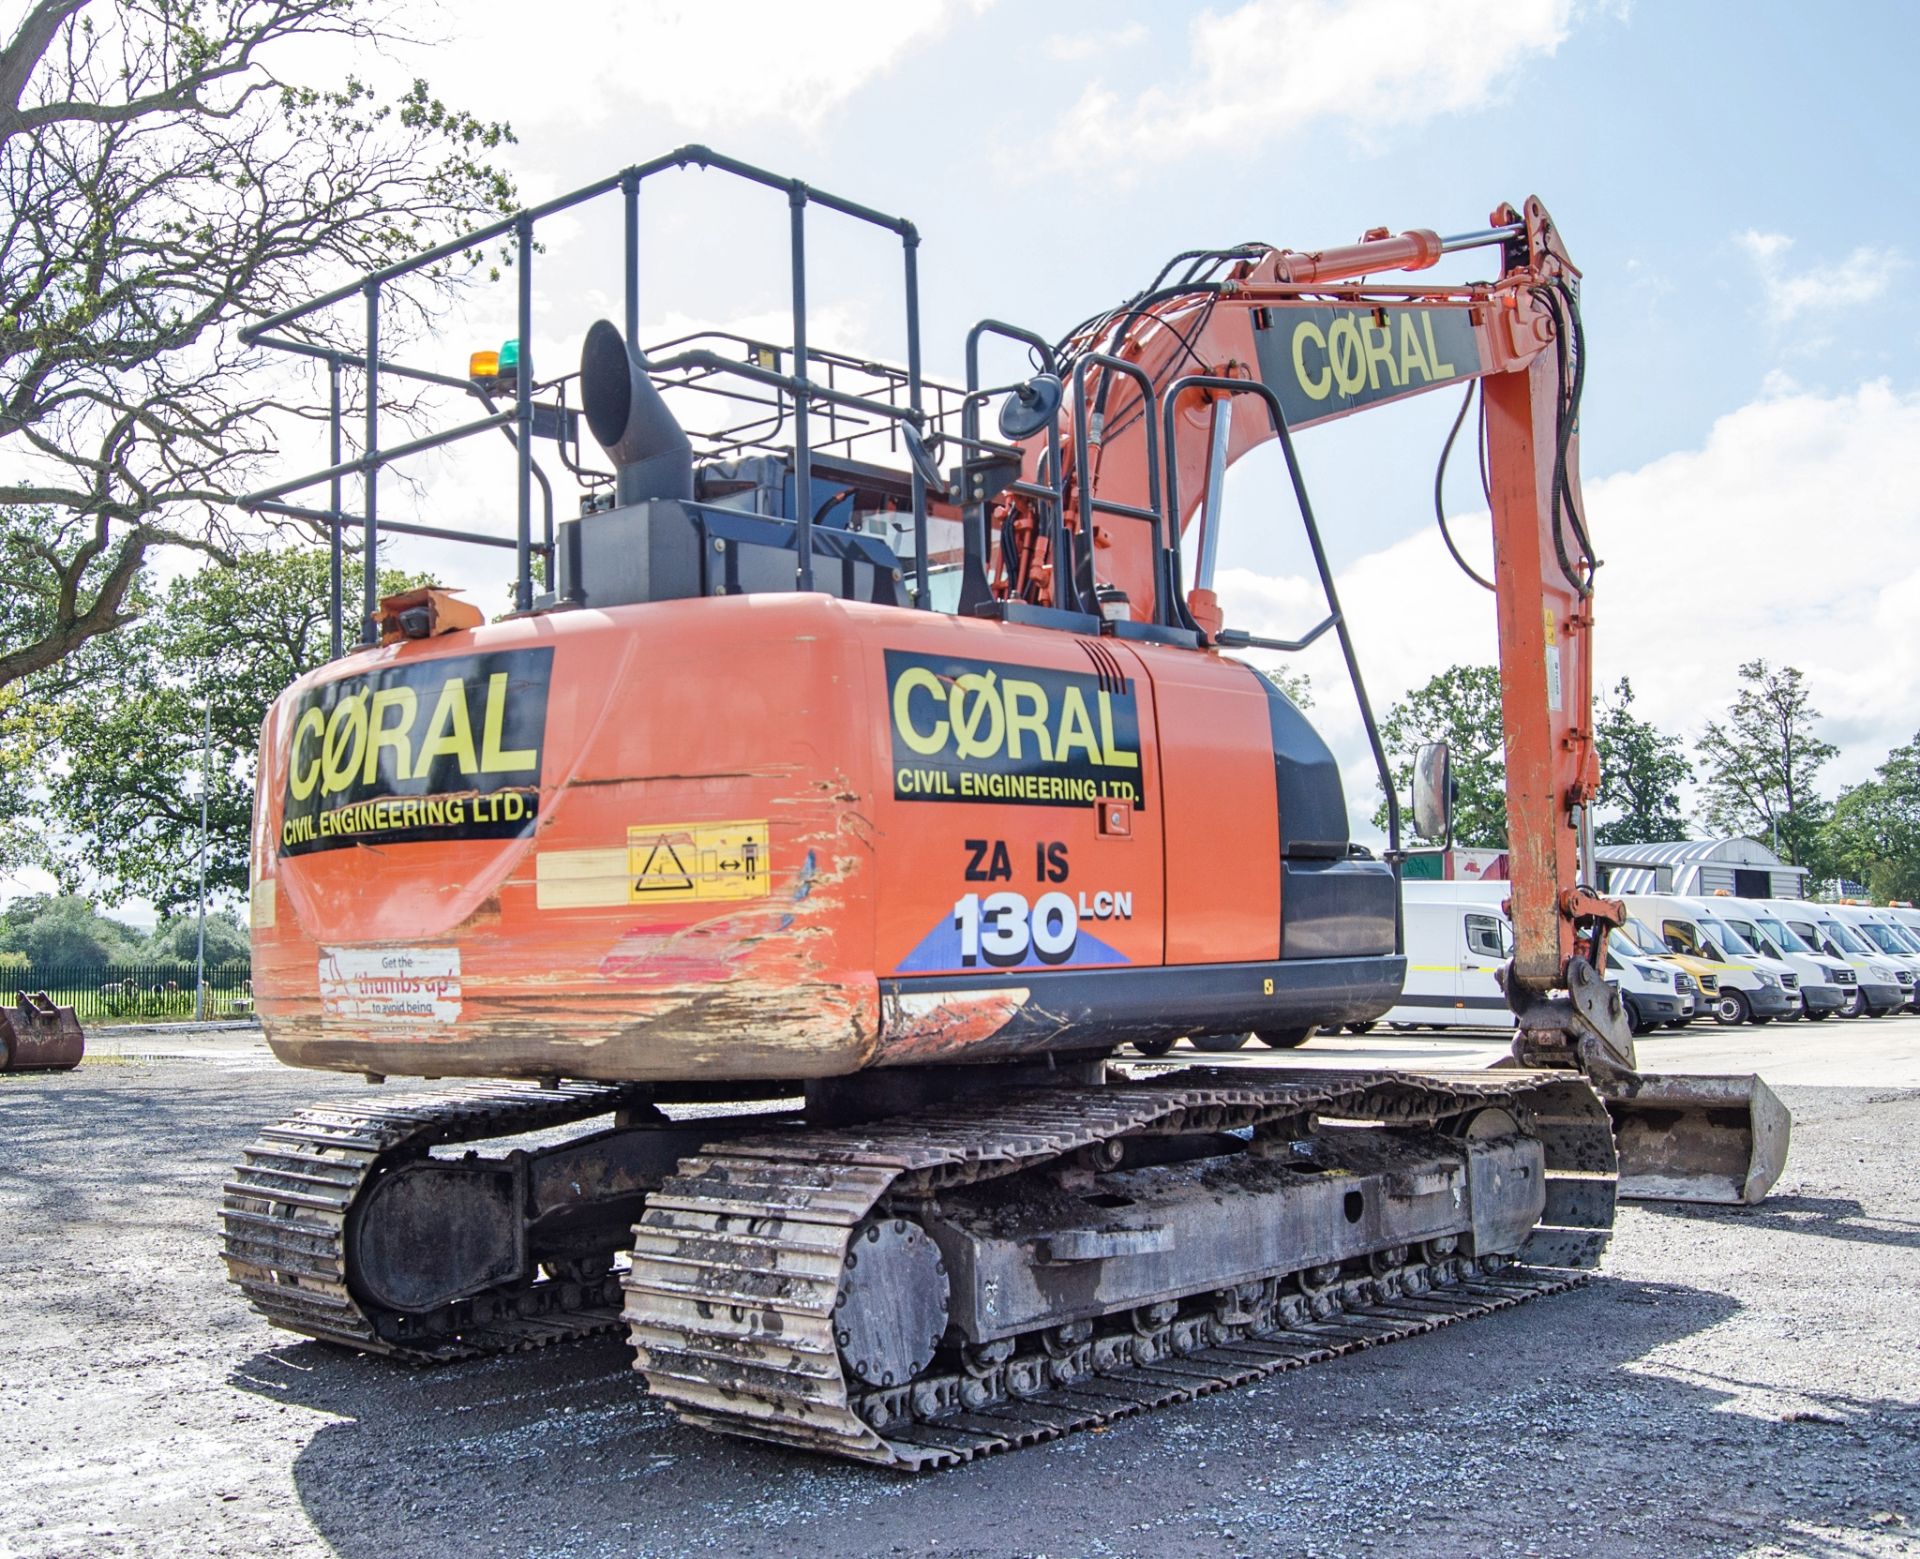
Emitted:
<point x="127" y="993"/>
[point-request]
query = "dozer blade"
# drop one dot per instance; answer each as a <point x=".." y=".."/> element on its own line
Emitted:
<point x="1697" y="1139"/>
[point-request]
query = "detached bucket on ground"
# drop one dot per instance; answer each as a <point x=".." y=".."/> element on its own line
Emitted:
<point x="1698" y="1139"/>
<point x="36" y="1035"/>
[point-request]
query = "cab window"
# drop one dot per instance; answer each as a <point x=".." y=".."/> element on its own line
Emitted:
<point x="1878" y="935"/>
<point x="1488" y="937"/>
<point x="1679" y="936"/>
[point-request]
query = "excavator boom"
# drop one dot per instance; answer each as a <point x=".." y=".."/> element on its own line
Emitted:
<point x="1326" y="341"/>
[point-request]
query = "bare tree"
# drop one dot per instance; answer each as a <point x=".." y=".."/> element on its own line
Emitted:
<point x="163" y="178"/>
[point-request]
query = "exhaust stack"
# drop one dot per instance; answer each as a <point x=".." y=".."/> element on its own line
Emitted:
<point x="646" y="443"/>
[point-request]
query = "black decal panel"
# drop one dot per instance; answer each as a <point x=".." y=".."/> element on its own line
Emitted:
<point x="1325" y="361"/>
<point x="426" y="749"/>
<point x="976" y="730"/>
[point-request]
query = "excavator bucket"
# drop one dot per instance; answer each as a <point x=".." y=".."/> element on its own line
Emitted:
<point x="1697" y="1139"/>
<point x="38" y="1036"/>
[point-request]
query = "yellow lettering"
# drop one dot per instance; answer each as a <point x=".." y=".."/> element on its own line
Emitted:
<point x="1108" y="756"/>
<point x="1440" y="370"/>
<point x="928" y="742"/>
<point x="448" y="731"/>
<point x="1412" y="358"/>
<point x="1076" y="727"/>
<point x="1379" y="343"/>
<point x="979" y="720"/>
<point x="1033" y="719"/>
<point x="301" y="780"/>
<point x="1318" y="384"/>
<point x="1347" y="353"/>
<point x="340" y="762"/>
<point x="493" y="759"/>
<point x="380" y="734"/>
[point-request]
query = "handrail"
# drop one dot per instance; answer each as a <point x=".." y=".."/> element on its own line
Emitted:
<point x="1086" y="439"/>
<point x="1336" y="618"/>
<point x="693" y="155"/>
<point x="803" y="393"/>
<point x="975" y="590"/>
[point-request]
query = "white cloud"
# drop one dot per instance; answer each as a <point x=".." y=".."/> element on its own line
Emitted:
<point x="707" y="64"/>
<point x="1085" y="45"/>
<point x="1272" y="67"/>
<point x="1793" y="533"/>
<point x="1862" y="277"/>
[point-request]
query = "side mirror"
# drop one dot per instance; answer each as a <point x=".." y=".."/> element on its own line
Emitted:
<point x="1433" y="793"/>
<point x="923" y="453"/>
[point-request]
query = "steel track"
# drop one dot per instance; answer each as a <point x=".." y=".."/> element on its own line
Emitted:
<point x="738" y="1263"/>
<point x="288" y="1206"/>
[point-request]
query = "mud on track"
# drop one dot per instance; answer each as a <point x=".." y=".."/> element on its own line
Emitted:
<point x="1734" y="1382"/>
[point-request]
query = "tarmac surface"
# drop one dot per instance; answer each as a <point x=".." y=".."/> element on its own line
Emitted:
<point x="1733" y="1382"/>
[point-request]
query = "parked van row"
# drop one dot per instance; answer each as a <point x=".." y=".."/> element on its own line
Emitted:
<point x="1676" y="958"/>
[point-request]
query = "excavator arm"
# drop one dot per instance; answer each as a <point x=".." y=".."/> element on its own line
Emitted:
<point x="1151" y="413"/>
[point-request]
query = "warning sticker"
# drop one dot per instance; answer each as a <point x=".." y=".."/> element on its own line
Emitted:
<point x="410" y="985"/>
<point x="667" y="864"/>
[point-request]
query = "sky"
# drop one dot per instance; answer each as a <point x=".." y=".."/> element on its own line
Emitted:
<point x="1733" y="180"/>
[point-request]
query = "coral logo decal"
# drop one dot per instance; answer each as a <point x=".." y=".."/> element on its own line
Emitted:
<point x="423" y="749"/>
<point x="1325" y="361"/>
<point x="975" y="730"/>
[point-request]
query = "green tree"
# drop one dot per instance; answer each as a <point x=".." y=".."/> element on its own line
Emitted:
<point x="223" y="643"/>
<point x="1873" y="833"/>
<point x="65" y="929"/>
<point x="175" y="940"/>
<point x="1762" y="761"/>
<point x="30" y="606"/>
<point x="1461" y="707"/>
<point x="169" y="169"/>
<point x="1641" y="771"/>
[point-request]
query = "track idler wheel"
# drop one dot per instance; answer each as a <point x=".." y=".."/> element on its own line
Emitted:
<point x="891" y="1311"/>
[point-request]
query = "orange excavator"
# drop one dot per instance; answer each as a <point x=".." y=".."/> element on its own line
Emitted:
<point x="846" y="789"/>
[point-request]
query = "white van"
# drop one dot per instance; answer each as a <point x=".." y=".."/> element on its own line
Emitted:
<point x="1822" y="981"/>
<point x="1656" y="991"/>
<point x="1889" y="939"/>
<point x="1458" y="939"/>
<point x="1753" y="988"/>
<point x="1876" y="989"/>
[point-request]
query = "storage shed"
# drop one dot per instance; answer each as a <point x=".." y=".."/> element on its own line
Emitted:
<point x="1701" y="867"/>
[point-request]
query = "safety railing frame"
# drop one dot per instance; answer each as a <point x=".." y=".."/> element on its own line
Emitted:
<point x="519" y="227"/>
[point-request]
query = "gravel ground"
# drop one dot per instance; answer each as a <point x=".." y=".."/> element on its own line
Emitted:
<point x="1735" y="1382"/>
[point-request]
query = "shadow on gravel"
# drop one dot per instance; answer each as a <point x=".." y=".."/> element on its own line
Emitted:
<point x="1831" y="1217"/>
<point x="561" y="1452"/>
